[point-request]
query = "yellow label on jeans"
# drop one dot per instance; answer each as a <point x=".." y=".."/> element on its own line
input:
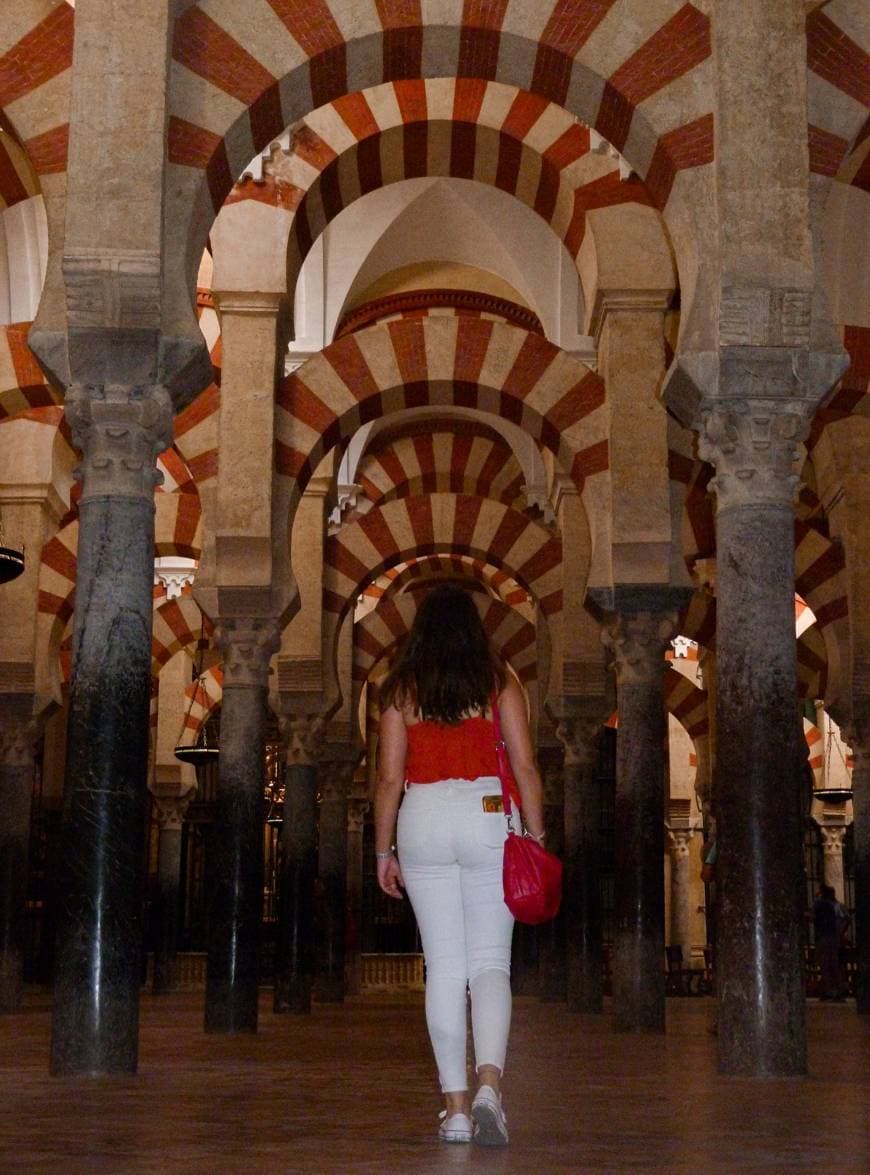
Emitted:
<point x="493" y="804"/>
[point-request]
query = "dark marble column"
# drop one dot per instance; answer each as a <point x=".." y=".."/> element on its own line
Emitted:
<point x="638" y="641"/>
<point x="17" y="731"/>
<point x="98" y="958"/>
<point x="295" y="939"/>
<point x="236" y="867"/>
<point x="357" y="808"/>
<point x="337" y="768"/>
<point x="759" y="869"/>
<point x="859" y="740"/>
<point x="551" y="935"/>
<point x="170" y="809"/>
<point x="582" y="867"/>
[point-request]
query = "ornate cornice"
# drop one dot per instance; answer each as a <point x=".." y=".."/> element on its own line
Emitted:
<point x="463" y="301"/>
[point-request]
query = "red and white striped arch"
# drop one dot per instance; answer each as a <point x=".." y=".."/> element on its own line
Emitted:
<point x="838" y="91"/>
<point x="461" y="362"/>
<point x="376" y="636"/>
<point x="459" y="457"/>
<point x="22" y="384"/>
<point x="640" y="75"/>
<point x="201" y="701"/>
<point x="451" y="566"/>
<point x="18" y="180"/>
<point x="36" y="40"/>
<point x="458" y="128"/>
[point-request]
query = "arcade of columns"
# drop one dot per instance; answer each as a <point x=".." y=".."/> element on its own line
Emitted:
<point x="705" y="237"/>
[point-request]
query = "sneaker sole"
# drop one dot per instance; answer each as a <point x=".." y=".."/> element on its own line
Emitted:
<point x="490" y="1131"/>
<point x="454" y="1138"/>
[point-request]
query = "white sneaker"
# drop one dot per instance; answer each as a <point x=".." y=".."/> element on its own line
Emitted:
<point x="490" y="1123"/>
<point x="456" y="1128"/>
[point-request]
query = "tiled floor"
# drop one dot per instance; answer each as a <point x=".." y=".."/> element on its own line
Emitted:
<point x="351" y="1089"/>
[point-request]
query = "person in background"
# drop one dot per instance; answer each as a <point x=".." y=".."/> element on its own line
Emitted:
<point x="437" y="755"/>
<point x="827" y="930"/>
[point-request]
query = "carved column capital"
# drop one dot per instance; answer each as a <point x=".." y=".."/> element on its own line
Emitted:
<point x="577" y="734"/>
<point x="120" y="430"/>
<point x="754" y="445"/>
<point x="17" y="733"/>
<point x="832" y="839"/>
<point x="679" y="841"/>
<point x="171" y="804"/>
<point x="857" y="736"/>
<point x="638" y="641"/>
<point x="303" y="737"/>
<point x="356" y="813"/>
<point x="247" y="645"/>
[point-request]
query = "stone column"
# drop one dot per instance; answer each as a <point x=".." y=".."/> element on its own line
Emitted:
<point x="832" y="843"/>
<point x="858" y="738"/>
<point x="760" y="935"/>
<point x="170" y="809"/>
<point x="337" y="768"/>
<point x="551" y="935"/>
<point x="236" y="870"/>
<point x="17" y="732"/>
<point x="294" y="944"/>
<point x="681" y="891"/>
<point x="357" y="808"/>
<point x="120" y="430"/>
<point x="638" y="641"/>
<point x="582" y="867"/>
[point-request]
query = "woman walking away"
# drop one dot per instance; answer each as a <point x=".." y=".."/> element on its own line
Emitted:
<point x="437" y="746"/>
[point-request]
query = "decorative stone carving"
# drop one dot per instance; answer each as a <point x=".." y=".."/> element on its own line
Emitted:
<point x="170" y="807"/>
<point x="113" y="288"/>
<point x="356" y="814"/>
<point x="832" y="840"/>
<point x="175" y="572"/>
<point x="754" y="446"/>
<point x="303" y="736"/>
<point x="577" y="736"/>
<point x="679" y="841"/>
<point x="247" y="645"/>
<point x="638" y="641"/>
<point x="755" y="316"/>
<point x="17" y="732"/>
<point x="120" y="431"/>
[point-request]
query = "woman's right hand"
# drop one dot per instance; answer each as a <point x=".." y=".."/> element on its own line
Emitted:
<point x="390" y="877"/>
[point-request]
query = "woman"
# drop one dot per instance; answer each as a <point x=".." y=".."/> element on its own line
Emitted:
<point x="437" y="746"/>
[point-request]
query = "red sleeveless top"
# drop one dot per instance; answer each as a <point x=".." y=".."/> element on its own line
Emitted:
<point x="465" y="751"/>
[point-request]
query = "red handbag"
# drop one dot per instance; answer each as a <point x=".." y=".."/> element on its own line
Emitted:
<point x="532" y="877"/>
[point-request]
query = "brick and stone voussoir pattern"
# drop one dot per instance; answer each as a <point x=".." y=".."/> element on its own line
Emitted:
<point x="460" y="362"/>
<point x="398" y="530"/>
<point x="240" y="81"/>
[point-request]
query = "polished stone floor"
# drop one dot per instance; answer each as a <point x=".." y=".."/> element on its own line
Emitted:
<point x="350" y="1089"/>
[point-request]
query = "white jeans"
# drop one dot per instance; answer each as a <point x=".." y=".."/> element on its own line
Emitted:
<point x="450" y="852"/>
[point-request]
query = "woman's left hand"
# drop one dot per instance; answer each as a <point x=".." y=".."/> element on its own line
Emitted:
<point x="390" y="877"/>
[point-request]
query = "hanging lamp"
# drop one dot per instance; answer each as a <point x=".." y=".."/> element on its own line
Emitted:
<point x="201" y="751"/>
<point x="11" y="559"/>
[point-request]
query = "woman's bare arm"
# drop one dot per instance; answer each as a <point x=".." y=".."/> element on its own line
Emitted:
<point x="518" y="740"/>
<point x="392" y="749"/>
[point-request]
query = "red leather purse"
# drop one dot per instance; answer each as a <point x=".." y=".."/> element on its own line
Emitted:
<point x="532" y="876"/>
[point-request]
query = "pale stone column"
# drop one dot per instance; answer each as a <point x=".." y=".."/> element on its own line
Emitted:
<point x="120" y="431"/>
<point x="638" y="643"/>
<point x="294" y="945"/>
<point x="171" y="804"/>
<point x="581" y="899"/>
<point x="679" y="841"/>
<point x="832" y="843"/>
<point x="858" y="737"/>
<point x="356" y="814"/>
<point x="337" y="765"/>
<point x="236" y="872"/>
<point x="17" y="733"/>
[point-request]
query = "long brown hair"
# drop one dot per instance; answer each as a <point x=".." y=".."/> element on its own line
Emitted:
<point x="446" y="669"/>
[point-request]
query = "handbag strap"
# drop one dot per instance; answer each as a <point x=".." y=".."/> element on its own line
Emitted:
<point x="501" y="756"/>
